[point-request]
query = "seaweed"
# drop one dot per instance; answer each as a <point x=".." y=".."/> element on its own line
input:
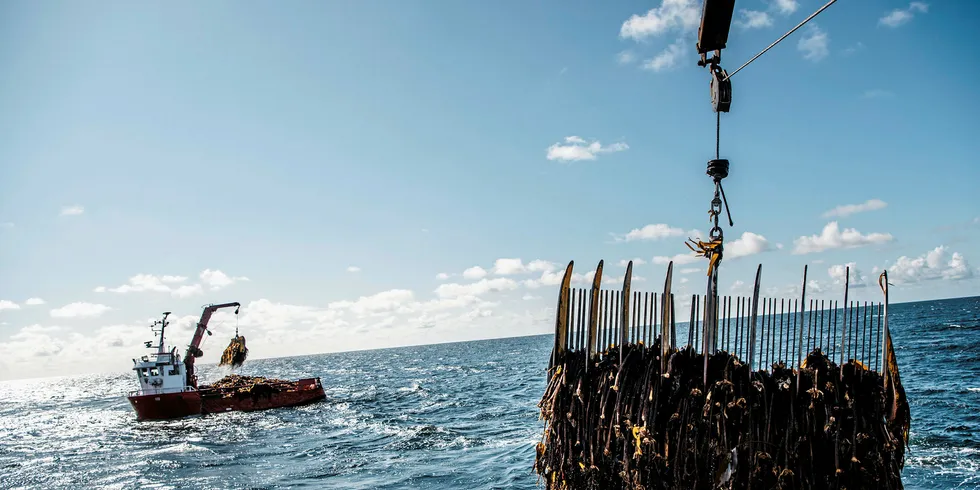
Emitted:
<point x="625" y="424"/>
<point x="236" y="352"/>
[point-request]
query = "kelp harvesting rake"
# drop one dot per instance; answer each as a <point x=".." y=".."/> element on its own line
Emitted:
<point x="764" y="393"/>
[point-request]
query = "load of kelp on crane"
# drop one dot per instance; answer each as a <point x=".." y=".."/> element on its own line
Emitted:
<point x="236" y="352"/>
<point x="626" y="406"/>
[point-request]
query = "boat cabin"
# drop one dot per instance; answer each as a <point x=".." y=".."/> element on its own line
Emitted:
<point x="160" y="371"/>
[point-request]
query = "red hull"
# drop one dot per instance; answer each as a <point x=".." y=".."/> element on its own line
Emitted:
<point x="166" y="405"/>
<point x="215" y="400"/>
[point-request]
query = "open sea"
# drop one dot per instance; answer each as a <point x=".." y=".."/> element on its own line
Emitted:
<point x="460" y="415"/>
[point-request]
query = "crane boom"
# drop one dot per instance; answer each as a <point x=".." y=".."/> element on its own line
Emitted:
<point x="194" y="349"/>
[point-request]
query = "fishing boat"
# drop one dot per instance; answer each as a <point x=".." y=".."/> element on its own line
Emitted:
<point x="168" y="385"/>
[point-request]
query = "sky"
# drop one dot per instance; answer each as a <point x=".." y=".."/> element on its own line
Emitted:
<point x="374" y="174"/>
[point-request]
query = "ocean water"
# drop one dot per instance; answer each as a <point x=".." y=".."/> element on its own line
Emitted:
<point x="459" y="415"/>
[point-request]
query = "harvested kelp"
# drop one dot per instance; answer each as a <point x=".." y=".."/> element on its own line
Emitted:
<point x="628" y="425"/>
<point x="236" y="352"/>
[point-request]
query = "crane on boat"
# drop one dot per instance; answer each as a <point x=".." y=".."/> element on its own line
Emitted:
<point x="194" y="349"/>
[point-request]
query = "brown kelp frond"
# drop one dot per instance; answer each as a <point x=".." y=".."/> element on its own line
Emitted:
<point x="626" y="424"/>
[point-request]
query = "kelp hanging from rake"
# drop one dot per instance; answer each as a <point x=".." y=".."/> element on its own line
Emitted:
<point x="766" y="408"/>
<point x="627" y="425"/>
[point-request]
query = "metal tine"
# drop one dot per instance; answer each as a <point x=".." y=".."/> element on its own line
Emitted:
<point x="831" y="311"/>
<point x="856" y="331"/>
<point x="768" y="333"/>
<point x="809" y="330"/>
<point x="746" y="306"/>
<point x="724" y="315"/>
<point x="871" y="337"/>
<point x="864" y="333"/>
<point x="728" y="326"/>
<point x="638" y="316"/>
<point x="747" y="328"/>
<point x="772" y="331"/>
<point x="793" y="333"/>
<point x="604" y="323"/>
<point x="583" y="334"/>
<point x="763" y="345"/>
<point x="615" y="319"/>
<point x="650" y="302"/>
<point x="690" y="329"/>
<point x="647" y="328"/>
<point x="779" y="349"/>
<point x="832" y="341"/>
<point x="820" y="329"/>
<point x="738" y="317"/>
<point x="673" y="320"/>
<point x="570" y="325"/>
<point x="878" y="355"/>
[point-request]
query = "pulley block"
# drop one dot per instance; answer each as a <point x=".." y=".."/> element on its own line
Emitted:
<point x="721" y="90"/>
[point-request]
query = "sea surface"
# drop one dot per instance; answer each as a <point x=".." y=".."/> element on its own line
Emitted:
<point x="460" y="415"/>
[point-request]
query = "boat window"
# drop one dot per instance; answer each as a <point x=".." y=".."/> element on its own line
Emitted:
<point x="154" y="371"/>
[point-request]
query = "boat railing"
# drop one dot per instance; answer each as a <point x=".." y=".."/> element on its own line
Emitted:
<point x="160" y="391"/>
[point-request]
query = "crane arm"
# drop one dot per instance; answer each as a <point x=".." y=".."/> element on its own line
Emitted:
<point x="194" y="349"/>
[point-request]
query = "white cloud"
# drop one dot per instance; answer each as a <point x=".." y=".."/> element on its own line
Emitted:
<point x="625" y="57"/>
<point x="478" y="288"/>
<point x="384" y="301"/>
<point x="832" y="237"/>
<point x="79" y="309"/>
<point x="442" y="276"/>
<point x="845" y="210"/>
<point x="679" y="259"/>
<point x="899" y="17"/>
<point x="72" y="210"/>
<point x="506" y="267"/>
<point x="475" y="272"/>
<point x="34" y="301"/>
<point x="541" y="266"/>
<point x="667" y="58"/>
<point x="353" y="268"/>
<point x="636" y="261"/>
<point x="690" y="270"/>
<point x="738" y="285"/>
<point x="6" y="304"/>
<point x="753" y="19"/>
<point x="655" y="231"/>
<point x="576" y="149"/>
<point x="935" y="264"/>
<point x="682" y="15"/>
<point x="837" y="273"/>
<point x="187" y="290"/>
<point x="814" y="44"/>
<point x="529" y="297"/>
<point x="748" y="244"/>
<point x="787" y="7"/>
<point x="216" y="279"/>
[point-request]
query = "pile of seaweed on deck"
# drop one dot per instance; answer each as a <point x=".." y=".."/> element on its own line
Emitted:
<point x="250" y="385"/>
<point x="624" y="425"/>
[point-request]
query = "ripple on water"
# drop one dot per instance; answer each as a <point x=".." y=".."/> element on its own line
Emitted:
<point x="443" y="416"/>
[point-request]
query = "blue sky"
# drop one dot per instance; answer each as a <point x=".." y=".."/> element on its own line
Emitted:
<point x="257" y="153"/>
